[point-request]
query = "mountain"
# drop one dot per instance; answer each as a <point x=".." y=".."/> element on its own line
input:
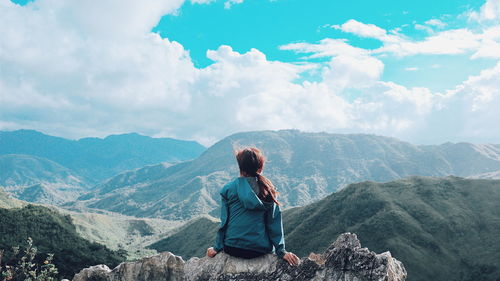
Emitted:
<point x="199" y="231"/>
<point x="304" y="167"/>
<point x="119" y="232"/>
<point x="138" y="176"/>
<point x="52" y="233"/>
<point x="36" y="179"/>
<point x="116" y="231"/>
<point x="440" y="228"/>
<point x="491" y="175"/>
<point x="97" y="159"/>
<point x="25" y="170"/>
<point x="6" y="201"/>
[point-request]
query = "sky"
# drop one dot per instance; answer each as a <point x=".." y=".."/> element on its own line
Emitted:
<point x="426" y="72"/>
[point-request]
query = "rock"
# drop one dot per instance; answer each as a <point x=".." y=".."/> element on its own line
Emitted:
<point x="343" y="260"/>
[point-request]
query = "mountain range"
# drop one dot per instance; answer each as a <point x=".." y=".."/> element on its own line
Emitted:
<point x="96" y="159"/>
<point x="440" y="228"/>
<point x="37" y="179"/>
<point x="305" y="167"/>
<point x="39" y="168"/>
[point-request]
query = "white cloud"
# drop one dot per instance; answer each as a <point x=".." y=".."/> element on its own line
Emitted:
<point x="447" y="42"/>
<point x="436" y="23"/>
<point x="202" y="1"/>
<point x="367" y="31"/>
<point x="326" y="48"/>
<point x="86" y="65"/>
<point x="490" y="11"/>
<point x="229" y="3"/>
<point x="352" y="72"/>
<point x="62" y="74"/>
<point x="424" y="27"/>
<point x="349" y="67"/>
<point x="411" y="68"/>
<point x="470" y="111"/>
<point x="362" y="29"/>
<point x="490" y="44"/>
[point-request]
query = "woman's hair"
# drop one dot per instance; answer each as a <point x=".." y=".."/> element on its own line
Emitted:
<point x="251" y="163"/>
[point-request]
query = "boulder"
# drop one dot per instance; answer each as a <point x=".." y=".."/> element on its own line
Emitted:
<point x="344" y="260"/>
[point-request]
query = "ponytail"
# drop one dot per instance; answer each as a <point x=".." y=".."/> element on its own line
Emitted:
<point x="251" y="162"/>
<point x="267" y="189"/>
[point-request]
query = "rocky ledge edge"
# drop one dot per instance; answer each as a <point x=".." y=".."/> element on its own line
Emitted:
<point x="343" y="260"/>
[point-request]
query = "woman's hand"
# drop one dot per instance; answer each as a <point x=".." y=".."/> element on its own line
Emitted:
<point x="211" y="252"/>
<point x="291" y="258"/>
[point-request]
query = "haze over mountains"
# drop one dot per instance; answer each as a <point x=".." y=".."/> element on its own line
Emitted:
<point x="96" y="159"/>
<point x="37" y="179"/>
<point x="39" y="168"/>
<point x="440" y="228"/>
<point x="305" y="167"/>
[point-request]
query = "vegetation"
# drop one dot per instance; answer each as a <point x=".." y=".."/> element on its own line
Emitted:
<point x="24" y="267"/>
<point x="116" y="231"/>
<point x="441" y="229"/>
<point x="200" y="232"/>
<point x="119" y="232"/>
<point x="52" y="233"/>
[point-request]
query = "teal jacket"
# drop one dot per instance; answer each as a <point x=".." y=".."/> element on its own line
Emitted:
<point x="248" y="222"/>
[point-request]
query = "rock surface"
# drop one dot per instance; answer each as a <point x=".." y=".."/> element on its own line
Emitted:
<point x="343" y="260"/>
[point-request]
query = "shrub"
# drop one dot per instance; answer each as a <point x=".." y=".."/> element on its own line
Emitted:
<point x="25" y="267"/>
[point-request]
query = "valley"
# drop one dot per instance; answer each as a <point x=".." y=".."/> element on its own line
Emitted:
<point x="433" y="206"/>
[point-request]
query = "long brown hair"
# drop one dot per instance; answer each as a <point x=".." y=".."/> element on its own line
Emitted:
<point x="251" y="163"/>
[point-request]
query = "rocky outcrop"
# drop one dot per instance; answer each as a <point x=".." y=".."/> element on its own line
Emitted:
<point x="343" y="260"/>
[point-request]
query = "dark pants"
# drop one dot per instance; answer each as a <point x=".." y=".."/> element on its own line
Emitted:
<point x="242" y="253"/>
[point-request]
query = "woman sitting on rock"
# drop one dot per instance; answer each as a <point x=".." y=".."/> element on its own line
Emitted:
<point x="250" y="214"/>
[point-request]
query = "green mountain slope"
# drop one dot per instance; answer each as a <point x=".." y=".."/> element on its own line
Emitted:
<point x="52" y="233"/>
<point x="305" y="167"/>
<point x="200" y="232"/>
<point x="96" y="159"/>
<point x="116" y="231"/>
<point x="440" y="228"/>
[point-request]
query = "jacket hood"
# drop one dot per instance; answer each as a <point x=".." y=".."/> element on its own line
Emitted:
<point x="248" y="198"/>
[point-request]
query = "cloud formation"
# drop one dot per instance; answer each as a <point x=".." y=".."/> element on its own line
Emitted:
<point x="490" y="11"/>
<point x="447" y="42"/>
<point x="229" y="3"/>
<point x="74" y="68"/>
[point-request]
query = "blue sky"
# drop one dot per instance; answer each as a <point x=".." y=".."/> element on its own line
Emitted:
<point x="422" y="71"/>
<point x="266" y="25"/>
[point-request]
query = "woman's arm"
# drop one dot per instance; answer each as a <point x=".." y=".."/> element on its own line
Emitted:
<point x="274" y="226"/>
<point x="219" y="240"/>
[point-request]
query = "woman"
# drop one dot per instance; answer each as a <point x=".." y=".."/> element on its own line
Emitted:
<point x="250" y="214"/>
